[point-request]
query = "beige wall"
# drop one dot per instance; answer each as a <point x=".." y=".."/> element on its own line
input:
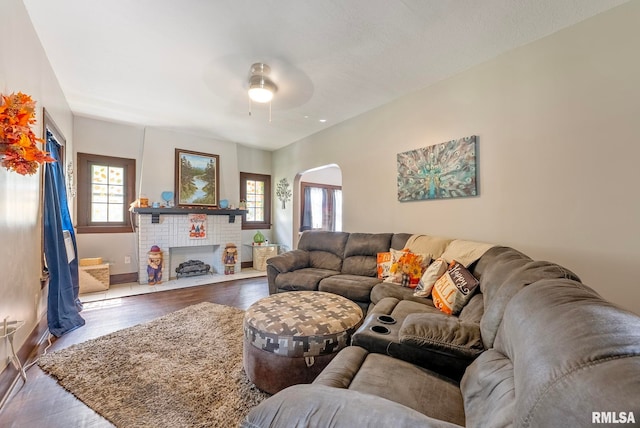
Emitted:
<point x="24" y="68"/>
<point x="557" y="124"/>
<point x="258" y="162"/>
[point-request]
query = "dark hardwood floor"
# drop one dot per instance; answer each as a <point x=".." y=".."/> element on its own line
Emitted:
<point x="42" y="403"/>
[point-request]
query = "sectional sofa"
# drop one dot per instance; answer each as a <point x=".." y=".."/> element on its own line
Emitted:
<point x="534" y="346"/>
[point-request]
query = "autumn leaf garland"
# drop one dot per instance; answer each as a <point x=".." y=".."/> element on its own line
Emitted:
<point x="18" y="143"/>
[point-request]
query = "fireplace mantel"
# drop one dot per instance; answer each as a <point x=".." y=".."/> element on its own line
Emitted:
<point x="156" y="212"/>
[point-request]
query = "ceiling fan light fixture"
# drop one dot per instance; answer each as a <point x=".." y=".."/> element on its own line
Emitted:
<point x="261" y="89"/>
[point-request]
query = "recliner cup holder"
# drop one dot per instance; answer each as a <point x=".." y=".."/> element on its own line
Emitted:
<point x="386" y="319"/>
<point x="380" y="329"/>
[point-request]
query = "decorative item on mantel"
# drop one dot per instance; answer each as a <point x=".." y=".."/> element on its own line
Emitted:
<point x="154" y="265"/>
<point x="230" y="258"/>
<point x="167" y="197"/>
<point x="18" y="143"/>
<point x="282" y="192"/>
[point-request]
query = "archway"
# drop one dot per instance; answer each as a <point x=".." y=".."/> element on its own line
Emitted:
<point x="323" y="182"/>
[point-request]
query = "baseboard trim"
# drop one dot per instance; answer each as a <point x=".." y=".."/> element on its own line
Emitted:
<point x="246" y="265"/>
<point x="123" y="278"/>
<point x="27" y="353"/>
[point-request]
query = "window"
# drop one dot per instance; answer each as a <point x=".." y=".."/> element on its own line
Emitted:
<point x="321" y="207"/>
<point x="106" y="187"/>
<point x="255" y="190"/>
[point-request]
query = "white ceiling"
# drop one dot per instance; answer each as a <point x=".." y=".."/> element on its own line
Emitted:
<point x="184" y="64"/>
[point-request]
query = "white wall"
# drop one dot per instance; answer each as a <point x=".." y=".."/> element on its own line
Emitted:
<point x="557" y="126"/>
<point x="24" y="68"/>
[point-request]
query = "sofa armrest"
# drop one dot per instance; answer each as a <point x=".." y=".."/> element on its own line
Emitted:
<point x="343" y="368"/>
<point x="442" y="332"/>
<point x="324" y="406"/>
<point x="289" y="261"/>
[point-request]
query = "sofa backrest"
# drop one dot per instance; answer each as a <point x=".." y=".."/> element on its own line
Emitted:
<point x="561" y="354"/>
<point x="503" y="272"/>
<point x="326" y="249"/>
<point x="361" y="252"/>
<point x="399" y="240"/>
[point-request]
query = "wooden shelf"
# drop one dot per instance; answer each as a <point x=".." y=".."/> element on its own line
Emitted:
<point x="156" y="212"/>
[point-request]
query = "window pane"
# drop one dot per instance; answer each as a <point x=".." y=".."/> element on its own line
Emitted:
<point x="116" y="194"/>
<point x="259" y="215"/>
<point x="116" y="175"/>
<point x="251" y="187"/>
<point x="107" y="193"/>
<point x="99" y="174"/>
<point x="116" y="212"/>
<point x="316" y="207"/>
<point x="260" y="187"/>
<point x="251" y="216"/>
<point x="338" y="210"/>
<point x="99" y="193"/>
<point x="98" y="212"/>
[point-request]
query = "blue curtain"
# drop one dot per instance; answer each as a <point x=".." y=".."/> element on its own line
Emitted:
<point x="63" y="312"/>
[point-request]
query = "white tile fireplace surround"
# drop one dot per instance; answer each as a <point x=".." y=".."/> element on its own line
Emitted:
<point x="168" y="228"/>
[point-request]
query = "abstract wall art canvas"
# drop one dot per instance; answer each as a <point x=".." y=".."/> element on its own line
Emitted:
<point x="446" y="170"/>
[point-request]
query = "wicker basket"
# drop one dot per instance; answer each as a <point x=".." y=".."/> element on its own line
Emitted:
<point x="93" y="278"/>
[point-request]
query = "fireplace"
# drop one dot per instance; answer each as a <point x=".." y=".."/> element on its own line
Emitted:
<point x="168" y="228"/>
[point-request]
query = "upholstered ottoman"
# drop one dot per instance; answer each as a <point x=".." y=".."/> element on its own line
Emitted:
<point x="290" y="337"/>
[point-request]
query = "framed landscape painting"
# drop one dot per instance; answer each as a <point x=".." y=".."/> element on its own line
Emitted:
<point x="446" y="170"/>
<point x="196" y="179"/>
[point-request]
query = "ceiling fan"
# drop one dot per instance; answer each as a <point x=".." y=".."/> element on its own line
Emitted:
<point x="261" y="87"/>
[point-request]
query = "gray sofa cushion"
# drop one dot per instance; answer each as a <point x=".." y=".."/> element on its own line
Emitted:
<point x="320" y="240"/>
<point x="323" y="406"/>
<point x="489" y="391"/>
<point x="399" y="240"/>
<point x="361" y="250"/>
<point x="398" y="381"/>
<point x="572" y="353"/>
<point x="389" y="289"/>
<point x="353" y="287"/>
<point x="439" y="331"/>
<point x="504" y="272"/>
<point x="302" y="279"/>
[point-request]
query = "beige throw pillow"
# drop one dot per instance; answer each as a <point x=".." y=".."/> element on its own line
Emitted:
<point x="430" y="276"/>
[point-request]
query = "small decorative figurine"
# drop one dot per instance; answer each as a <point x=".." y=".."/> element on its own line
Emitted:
<point x="154" y="265"/>
<point x="230" y="258"/>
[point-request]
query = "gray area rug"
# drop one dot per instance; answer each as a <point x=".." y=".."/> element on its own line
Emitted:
<point x="180" y="370"/>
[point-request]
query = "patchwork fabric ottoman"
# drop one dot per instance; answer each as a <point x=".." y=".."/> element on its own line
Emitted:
<point x="290" y="337"/>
